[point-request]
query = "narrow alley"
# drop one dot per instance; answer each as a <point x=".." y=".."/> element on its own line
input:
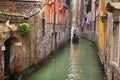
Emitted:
<point x="72" y="62"/>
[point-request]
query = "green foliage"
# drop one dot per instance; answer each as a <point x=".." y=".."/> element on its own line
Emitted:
<point x="24" y="29"/>
<point x="16" y="12"/>
<point x="8" y="11"/>
<point x="5" y="11"/>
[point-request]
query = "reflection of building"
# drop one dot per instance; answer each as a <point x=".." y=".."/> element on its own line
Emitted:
<point x="73" y="69"/>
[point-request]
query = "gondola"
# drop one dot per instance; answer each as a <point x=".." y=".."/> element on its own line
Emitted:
<point x="75" y="39"/>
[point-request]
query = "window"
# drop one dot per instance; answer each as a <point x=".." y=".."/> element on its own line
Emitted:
<point x="43" y="27"/>
<point x="47" y="14"/>
<point x="68" y="2"/>
<point x="57" y="18"/>
<point x="97" y="3"/>
<point x="50" y="16"/>
<point x="115" y="44"/>
<point x="59" y="35"/>
<point x="52" y="20"/>
<point x="49" y="39"/>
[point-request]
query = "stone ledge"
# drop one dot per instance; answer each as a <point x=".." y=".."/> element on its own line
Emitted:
<point x="13" y="18"/>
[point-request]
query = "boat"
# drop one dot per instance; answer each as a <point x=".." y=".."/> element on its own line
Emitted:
<point x="75" y="39"/>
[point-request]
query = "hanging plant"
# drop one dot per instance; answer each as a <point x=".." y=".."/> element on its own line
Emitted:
<point x="24" y="29"/>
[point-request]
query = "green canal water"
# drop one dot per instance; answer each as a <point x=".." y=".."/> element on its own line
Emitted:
<point x="72" y="62"/>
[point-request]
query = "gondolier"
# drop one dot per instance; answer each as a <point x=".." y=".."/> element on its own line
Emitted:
<point x="74" y="33"/>
<point x="75" y="37"/>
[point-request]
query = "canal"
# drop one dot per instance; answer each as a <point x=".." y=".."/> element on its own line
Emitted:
<point x="72" y="62"/>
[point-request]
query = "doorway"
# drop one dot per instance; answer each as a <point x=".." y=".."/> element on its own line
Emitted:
<point x="7" y="58"/>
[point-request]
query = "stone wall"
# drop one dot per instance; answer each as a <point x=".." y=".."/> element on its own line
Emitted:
<point x="34" y="48"/>
<point x="12" y="17"/>
<point x="23" y="56"/>
<point x="63" y="33"/>
<point x="15" y="51"/>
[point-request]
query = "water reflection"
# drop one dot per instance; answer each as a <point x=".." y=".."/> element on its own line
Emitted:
<point x="83" y="62"/>
<point x="73" y="69"/>
<point x="73" y="62"/>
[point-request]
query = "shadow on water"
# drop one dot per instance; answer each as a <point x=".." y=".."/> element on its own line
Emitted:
<point x="72" y="62"/>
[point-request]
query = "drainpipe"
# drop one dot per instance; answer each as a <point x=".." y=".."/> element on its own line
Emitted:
<point x="54" y="17"/>
<point x="54" y="23"/>
<point x="96" y="5"/>
<point x="95" y="21"/>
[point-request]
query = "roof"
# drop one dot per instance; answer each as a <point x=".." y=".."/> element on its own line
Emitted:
<point x="113" y="6"/>
<point x="27" y="13"/>
<point x="20" y="6"/>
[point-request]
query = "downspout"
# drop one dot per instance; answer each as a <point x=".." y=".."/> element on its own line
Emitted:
<point x="54" y="17"/>
<point x="95" y="22"/>
<point x="54" y="23"/>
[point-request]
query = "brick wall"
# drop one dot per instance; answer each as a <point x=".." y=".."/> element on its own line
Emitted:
<point x="16" y="6"/>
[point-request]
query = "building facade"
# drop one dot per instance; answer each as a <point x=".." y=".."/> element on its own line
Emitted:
<point x="108" y="37"/>
<point x="57" y="19"/>
<point x="113" y="67"/>
<point x="103" y="29"/>
<point x="18" y="54"/>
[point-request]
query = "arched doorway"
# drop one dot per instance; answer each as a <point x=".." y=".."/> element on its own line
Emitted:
<point x="7" y="58"/>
